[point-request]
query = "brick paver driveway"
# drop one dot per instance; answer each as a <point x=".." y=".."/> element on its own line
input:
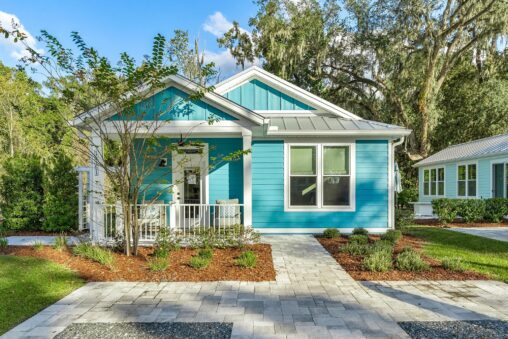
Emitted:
<point x="496" y="233"/>
<point x="312" y="297"/>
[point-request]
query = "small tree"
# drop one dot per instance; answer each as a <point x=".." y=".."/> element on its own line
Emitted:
<point x="21" y="192"/>
<point x="60" y="196"/>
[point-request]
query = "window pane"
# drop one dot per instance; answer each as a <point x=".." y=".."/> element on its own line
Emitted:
<point x="303" y="160"/>
<point x="433" y="188"/>
<point x="471" y="188"/>
<point x="440" y="188"/>
<point x="335" y="160"/>
<point x="471" y="172"/>
<point x="433" y="174"/>
<point x="426" y="175"/>
<point x="462" y="188"/>
<point x="335" y="191"/>
<point x="462" y="172"/>
<point x="425" y="189"/>
<point x="303" y="191"/>
<point x="440" y="174"/>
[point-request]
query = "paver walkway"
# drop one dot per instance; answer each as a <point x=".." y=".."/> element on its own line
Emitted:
<point x="22" y="240"/>
<point x="496" y="233"/>
<point x="312" y="297"/>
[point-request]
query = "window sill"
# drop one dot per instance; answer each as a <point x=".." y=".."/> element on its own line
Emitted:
<point x="320" y="209"/>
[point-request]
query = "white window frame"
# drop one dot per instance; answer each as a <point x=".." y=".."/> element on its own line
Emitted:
<point x="437" y="168"/>
<point x="319" y="178"/>
<point x="467" y="180"/>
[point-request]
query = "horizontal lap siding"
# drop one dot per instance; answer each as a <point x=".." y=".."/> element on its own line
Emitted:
<point x="371" y="190"/>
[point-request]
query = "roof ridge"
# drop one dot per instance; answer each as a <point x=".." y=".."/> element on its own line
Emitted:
<point x="477" y="140"/>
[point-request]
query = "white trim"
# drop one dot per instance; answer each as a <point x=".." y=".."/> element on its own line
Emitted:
<point x="170" y="127"/>
<point x="395" y="133"/>
<point x="466" y="163"/>
<point x="391" y="190"/>
<point x="283" y="86"/>
<point x="430" y="168"/>
<point x="203" y="164"/>
<point x="247" y="178"/>
<point x="319" y="178"/>
<point x="310" y="230"/>
<point x="288" y="112"/>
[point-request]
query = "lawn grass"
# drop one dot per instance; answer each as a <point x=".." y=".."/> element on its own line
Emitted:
<point x="478" y="254"/>
<point x="28" y="285"/>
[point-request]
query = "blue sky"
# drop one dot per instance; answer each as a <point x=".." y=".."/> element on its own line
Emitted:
<point x="116" y="26"/>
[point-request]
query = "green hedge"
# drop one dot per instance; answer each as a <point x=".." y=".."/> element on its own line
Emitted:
<point x="470" y="210"/>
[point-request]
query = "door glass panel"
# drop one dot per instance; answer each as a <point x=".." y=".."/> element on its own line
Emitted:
<point x="303" y="160"/>
<point x="498" y="184"/>
<point x="192" y="186"/>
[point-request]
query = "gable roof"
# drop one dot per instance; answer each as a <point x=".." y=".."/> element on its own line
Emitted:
<point x="105" y="110"/>
<point x="321" y="125"/>
<point x="491" y="146"/>
<point x="284" y="86"/>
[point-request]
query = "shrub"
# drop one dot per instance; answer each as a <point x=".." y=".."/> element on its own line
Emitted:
<point x="166" y="242"/>
<point x="199" y="262"/>
<point x="158" y="264"/>
<point x="60" y="204"/>
<point x="379" y="261"/>
<point x="410" y="260"/>
<point x="38" y="245"/>
<point x="95" y="253"/>
<point x="471" y="210"/>
<point x="403" y="218"/>
<point x="445" y="209"/>
<point x="407" y="196"/>
<point x="247" y="259"/>
<point x="206" y="253"/>
<point x="452" y="264"/>
<point x="382" y="246"/>
<point x="331" y="233"/>
<point x="233" y="236"/>
<point x="3" y="244"/>
<point x="354" y="248"/>
<point x="21" y="192"/>
<point x="496" y="209"/>
<point x="392" y="236"/>
<point x="60" y="242"/>
<point x="358" y="238"/>
<point x="360" y="231"/>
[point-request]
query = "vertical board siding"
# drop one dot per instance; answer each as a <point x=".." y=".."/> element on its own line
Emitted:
<point x="225" y="178"/>
<point x="268" y="190"/>
<point x="173" y="104"/>
<point x="256" y="95"/>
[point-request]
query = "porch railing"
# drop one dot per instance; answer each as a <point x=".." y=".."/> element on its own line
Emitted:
<point x="188" y="219"/>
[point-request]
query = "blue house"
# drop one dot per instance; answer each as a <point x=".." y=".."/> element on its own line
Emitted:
<point x="473" y="170"/>
<point x="308" y="164"/>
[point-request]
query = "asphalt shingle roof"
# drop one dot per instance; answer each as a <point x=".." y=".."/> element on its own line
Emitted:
<point x="490" y="146"/>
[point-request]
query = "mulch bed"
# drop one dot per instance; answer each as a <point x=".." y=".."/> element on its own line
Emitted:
<point x="135" y="268"/>
<point x="353" y="264"/>
<point x="457" y="224"/>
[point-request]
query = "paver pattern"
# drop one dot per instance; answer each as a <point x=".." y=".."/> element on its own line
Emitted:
<point x="496" y="233"/>
<point x="311" y="297"/>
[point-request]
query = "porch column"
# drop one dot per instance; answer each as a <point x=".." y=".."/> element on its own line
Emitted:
<point x="96" y="188"/>
<point x="80" y="200"/>
<point x="247" y="178"/>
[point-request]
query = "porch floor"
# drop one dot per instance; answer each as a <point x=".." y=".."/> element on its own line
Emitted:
<point x="311" y="297"/>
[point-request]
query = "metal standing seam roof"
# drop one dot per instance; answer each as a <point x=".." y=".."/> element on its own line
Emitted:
<point x="490" y="146"/>
<point x="330" y="125"/>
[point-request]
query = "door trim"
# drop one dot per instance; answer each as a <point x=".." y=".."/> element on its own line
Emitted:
<point x="200" y="160"/>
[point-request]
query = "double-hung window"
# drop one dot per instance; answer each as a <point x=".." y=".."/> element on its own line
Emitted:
<point x="434" y="181"/>
<point x="319" y="176"/>
<point x="466" y="180"/>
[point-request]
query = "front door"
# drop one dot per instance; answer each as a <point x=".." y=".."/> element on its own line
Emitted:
<point x="499" y="174"/>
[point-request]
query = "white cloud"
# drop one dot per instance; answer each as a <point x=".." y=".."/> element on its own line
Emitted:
<point x="225" y="63"/>
<point x="217" y="24"/>
<point x="17" y="50"/>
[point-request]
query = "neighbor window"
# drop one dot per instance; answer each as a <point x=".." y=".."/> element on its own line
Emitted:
<point x="319" y="176"/>
<point x="434" y="181"/>
<point x="466" y="180"/>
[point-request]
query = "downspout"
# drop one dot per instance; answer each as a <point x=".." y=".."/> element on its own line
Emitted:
<point x="392" y="193"/>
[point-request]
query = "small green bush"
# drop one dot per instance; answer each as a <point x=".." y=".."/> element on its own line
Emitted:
<point x="3" y="244"/>
<point x="247" y="259"/>
<point x="382" y="246"/>
<point x="38" y="245"/>
<point x="360" y="231"/>
<point x="379" y="261"/>
<point x="331" y="233"/>
<point x="158" y="264"/>
<point x="166" y="242"/>
<point x="358" y="238"/>
<point x="199" y="262"/>
<point x="354" y="248"/>
<point x="206" y="253"/>
<point x="392" y="236"/>
<point x="60" y="242"/>
<point x="453" y="264"/>
<point x="403" y="218"/>
<point x="406" y="197"/>
<point x="95" y="253"/>
<point x="471" y="210"/>
<point x="496" y="209"/>
<point x="445" y="209"/>
<point x="410" y="260"/>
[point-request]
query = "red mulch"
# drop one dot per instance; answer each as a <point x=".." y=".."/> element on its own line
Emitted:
<point x="134" y="268"/>
<point x="434" y="222"/>
<point x="353" y="264"/>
